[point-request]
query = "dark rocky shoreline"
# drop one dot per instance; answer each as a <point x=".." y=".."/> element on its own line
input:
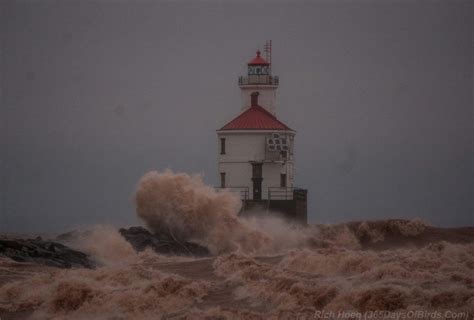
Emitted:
<point x="373" y="235"/>
<point x="49" y="253"/>
<point x="57" y="254"/>
<point x="163" y="243"/>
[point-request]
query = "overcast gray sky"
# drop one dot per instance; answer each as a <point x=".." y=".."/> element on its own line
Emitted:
<point x="96" y="93"/>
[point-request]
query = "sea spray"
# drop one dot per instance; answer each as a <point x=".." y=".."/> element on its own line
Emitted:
<point x="319" y="269"/>
<point x="104" y="245"/>
<point x="183" y="206"/>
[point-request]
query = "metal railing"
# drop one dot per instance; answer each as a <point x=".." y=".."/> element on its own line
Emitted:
<point x="274" y="193"/>
<point x="242" y="192"/>
<point x="280" y="193"/>
<point x="286" y="193"/>
<point x="259" y="79"/>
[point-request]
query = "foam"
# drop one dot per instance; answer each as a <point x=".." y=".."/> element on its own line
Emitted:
<point x="134" y="291"/>
<point x="304" y="270"/>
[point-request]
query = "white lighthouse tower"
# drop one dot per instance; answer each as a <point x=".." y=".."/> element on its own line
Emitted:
<point x="256" y="150"/>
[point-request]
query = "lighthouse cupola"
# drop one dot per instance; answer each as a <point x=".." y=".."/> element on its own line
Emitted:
<point x="258" y="66"/>
<point x="259" y="78"/>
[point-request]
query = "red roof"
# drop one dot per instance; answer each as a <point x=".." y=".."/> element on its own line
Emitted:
<point x="258" y="60"/>
<point x="255" y="118"/>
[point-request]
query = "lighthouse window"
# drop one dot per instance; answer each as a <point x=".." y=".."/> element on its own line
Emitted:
<point x="222" y="179"/>
<point x="283" y="180"/>
<point x="222" y="145"/>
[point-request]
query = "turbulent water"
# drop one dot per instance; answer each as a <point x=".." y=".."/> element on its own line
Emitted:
<point x="262" y="268"/>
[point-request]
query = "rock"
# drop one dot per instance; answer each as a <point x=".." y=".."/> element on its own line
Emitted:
<point x="72" y="235"/>
<point x="52" y="253"/>
<point x="163" y="242"/>
<point x="43" y="252"/>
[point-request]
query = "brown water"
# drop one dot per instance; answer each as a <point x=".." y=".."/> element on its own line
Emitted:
<point x="262" y="268"/>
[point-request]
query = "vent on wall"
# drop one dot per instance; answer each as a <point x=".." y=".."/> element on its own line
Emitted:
<point x="277" y="142"/>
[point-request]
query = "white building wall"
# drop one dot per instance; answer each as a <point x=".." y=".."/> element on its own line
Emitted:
<point x="242" y="148"/>
<point x="266" y="98"/>
<point x="237" y="173"/>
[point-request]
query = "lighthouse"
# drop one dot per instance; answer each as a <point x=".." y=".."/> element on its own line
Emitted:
<point x="256" y="157"/>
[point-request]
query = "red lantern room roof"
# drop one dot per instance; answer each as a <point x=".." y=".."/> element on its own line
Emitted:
<point x="258" y="61"/>
<point x="255" y="118"/>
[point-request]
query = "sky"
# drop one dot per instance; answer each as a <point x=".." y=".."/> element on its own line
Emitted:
<point x="96" y="93"/>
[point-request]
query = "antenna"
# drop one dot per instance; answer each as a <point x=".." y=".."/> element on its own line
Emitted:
<point x="267" y="48"/>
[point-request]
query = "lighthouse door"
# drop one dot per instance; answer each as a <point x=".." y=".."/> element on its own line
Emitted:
<point x="257" y="180"/>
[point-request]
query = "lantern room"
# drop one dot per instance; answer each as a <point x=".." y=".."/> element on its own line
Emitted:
<point x="258" y="66"/>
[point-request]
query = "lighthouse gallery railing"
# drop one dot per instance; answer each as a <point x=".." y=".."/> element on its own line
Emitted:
<point x="259" y="79"/>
